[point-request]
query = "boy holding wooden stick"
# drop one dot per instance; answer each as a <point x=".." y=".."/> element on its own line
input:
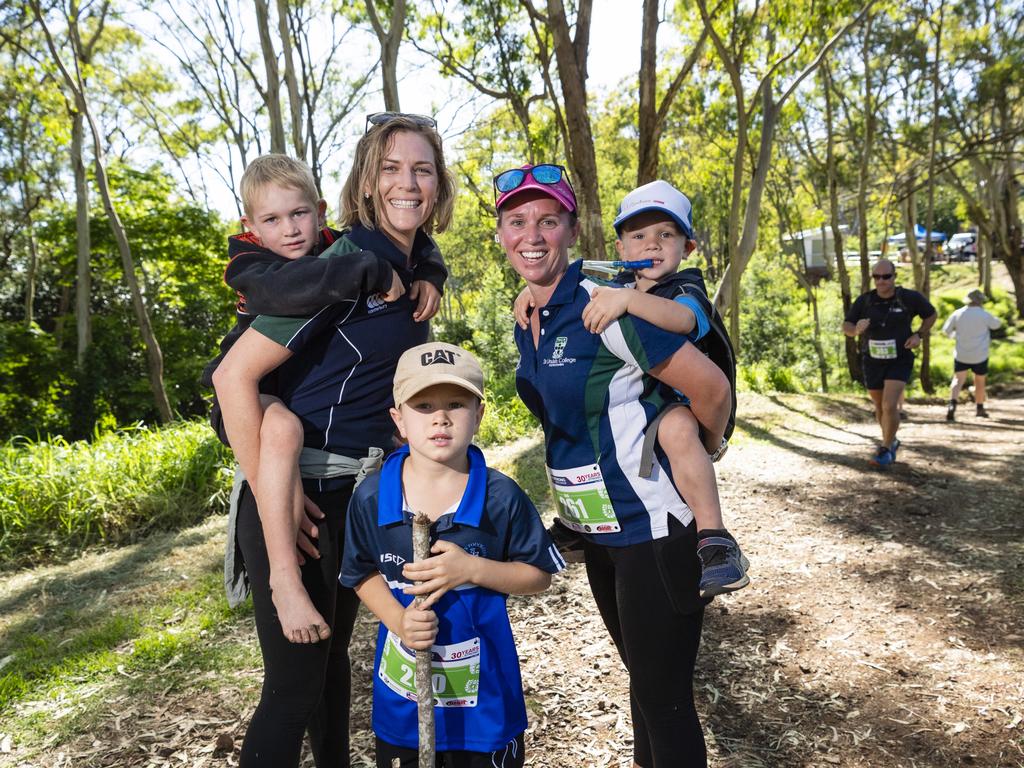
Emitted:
<point x="489" y="542"/>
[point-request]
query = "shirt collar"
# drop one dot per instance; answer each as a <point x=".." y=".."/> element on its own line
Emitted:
<point x="389" y="493"/>
<point x="565" y="291"/>
<point x="375" y="240"/>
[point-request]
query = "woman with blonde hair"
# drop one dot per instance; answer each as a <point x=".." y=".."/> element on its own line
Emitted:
<point x="334" y="371"/>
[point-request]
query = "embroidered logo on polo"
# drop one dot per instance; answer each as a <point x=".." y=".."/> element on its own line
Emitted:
<point x="558" y="358"/>
<point x="476" y="549"/>
<point x="374" y="303"/>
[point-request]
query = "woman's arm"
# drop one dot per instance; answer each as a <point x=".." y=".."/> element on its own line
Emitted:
<point x="690" y="371"/>
<point x="236" y="382"/>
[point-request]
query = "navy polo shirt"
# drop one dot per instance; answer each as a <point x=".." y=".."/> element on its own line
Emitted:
<point x="339" y="381"/>
<point x="494" y="519"/>
<point x="594" y="403"/>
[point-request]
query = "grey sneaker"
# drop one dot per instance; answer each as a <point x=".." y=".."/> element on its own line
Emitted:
<point x="723" y="566"/>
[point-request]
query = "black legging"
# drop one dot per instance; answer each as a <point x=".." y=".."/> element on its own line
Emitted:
<point x="647" y="596"/>
<point x="305" y="686"/>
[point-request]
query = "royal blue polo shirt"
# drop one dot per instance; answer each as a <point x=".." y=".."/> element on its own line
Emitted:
<point x="479" y="704"/>
<point x="594" y="403"/>
<point x="339" y="381"/>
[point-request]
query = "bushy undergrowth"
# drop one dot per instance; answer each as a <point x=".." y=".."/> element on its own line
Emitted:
<point x="57" y="498"/>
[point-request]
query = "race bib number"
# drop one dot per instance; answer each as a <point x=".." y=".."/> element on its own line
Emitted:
<point x="583" y="502"/>
<point x="882" y="349"/>
<point x="454" y="671"/>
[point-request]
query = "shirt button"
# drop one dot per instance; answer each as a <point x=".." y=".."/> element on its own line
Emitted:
<point x="541" y="331"/>
<point x="545" y="313"/>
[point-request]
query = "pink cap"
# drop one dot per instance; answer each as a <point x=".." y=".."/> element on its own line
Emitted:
<point x="560" y="190"/>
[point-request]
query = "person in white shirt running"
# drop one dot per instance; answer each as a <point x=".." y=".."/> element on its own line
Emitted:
<point x="972" y="326"/>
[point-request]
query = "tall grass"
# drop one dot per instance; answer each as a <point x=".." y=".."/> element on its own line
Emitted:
<point x="57" y="498"/>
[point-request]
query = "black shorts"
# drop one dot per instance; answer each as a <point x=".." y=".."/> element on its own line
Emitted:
<point x="876" y="372"/>
<point x="978" y="369"/>
<point x="510" y="756"/>
<point x="217" y="422"/>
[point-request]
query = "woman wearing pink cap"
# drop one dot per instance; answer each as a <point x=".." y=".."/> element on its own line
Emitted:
<point x="593" y="396"/>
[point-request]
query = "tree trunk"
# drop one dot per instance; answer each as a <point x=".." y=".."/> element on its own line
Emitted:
<point x="651" y="115"/>
<point x="929" y="249"/>
<point x="819" y="350"/>
<point x="290" y="79"/>
<point x="647" y="121"/>
<point x="571" y="61"/>
<point x="33" y="257"/>
<point x="390" y="39"/>
<point x="83" y="273"/>
<point x="741" y="252"/>
<point x="273" y="98"/>
<point x="77" y="87"/>
<point x="849" y="344"/>
<point x="864" y="166"/>
<point x="984" y="257"/>
<point x="153" y="353"/>
<point x="910" y="227"/>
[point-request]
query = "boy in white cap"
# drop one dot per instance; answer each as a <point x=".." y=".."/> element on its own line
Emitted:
<point x="655" y="223"/>
<point x="972" y="326"/>
<point x="489" y="542"/>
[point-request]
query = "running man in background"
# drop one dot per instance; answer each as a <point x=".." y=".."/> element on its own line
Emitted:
<point x="972" y="327"/>
<point x="882" y="318"/>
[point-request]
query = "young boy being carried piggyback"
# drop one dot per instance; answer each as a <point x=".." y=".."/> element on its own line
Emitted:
<point x="489" y="542"/>
<point x="283" y="265"/>
<point x="655" y="223"/>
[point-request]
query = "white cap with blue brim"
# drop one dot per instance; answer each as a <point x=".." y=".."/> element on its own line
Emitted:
<point x="657" y="196"/>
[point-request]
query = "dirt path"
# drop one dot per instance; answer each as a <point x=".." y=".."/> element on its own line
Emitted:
<point x="884" y="627"/>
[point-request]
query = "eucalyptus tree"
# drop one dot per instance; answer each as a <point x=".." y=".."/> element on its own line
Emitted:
<point x="236" y="111"/>
<point x="756" y="45"/>
<point x="984" y="147"/>
<point x="389" y="38"/>
<point x="490" y="46"/>
<point x="651" y="113"/>
<point x="73" y="69"/>
<point x="31" y="148"/>
<point x="533" y="47"/>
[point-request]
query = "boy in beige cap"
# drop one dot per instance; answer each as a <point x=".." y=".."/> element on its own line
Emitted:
<point x="488" y="543"/>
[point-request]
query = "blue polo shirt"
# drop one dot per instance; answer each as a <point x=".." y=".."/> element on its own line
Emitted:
<point x="479" y="704"/>
<point x="594" y="404"/>
<point x="339" y="381"/>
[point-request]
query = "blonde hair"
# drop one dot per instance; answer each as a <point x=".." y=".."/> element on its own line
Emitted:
<point x="282" y="170"/>
<point x="358" y="208"/>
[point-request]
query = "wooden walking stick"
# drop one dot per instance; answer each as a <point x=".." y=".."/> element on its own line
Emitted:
<point x="424" y="685"/>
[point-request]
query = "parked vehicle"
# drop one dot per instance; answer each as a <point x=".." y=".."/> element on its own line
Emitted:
<point x="963" y="246"/>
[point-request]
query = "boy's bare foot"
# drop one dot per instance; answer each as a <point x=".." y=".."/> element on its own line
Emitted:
<point x="300" y="621"/>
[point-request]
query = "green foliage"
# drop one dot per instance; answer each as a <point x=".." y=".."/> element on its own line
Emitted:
<point x="34" y="384"/>
<point x="57" y="498"/>
<point x="179" y="251"/>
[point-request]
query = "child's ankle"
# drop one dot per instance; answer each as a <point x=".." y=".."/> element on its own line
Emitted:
<point x="285" y="578"/>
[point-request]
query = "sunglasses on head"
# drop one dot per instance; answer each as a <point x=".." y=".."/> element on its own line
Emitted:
<point x="381" y="118"/>
<point x="546" y="173"/>
<point x="886" y="276"/>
